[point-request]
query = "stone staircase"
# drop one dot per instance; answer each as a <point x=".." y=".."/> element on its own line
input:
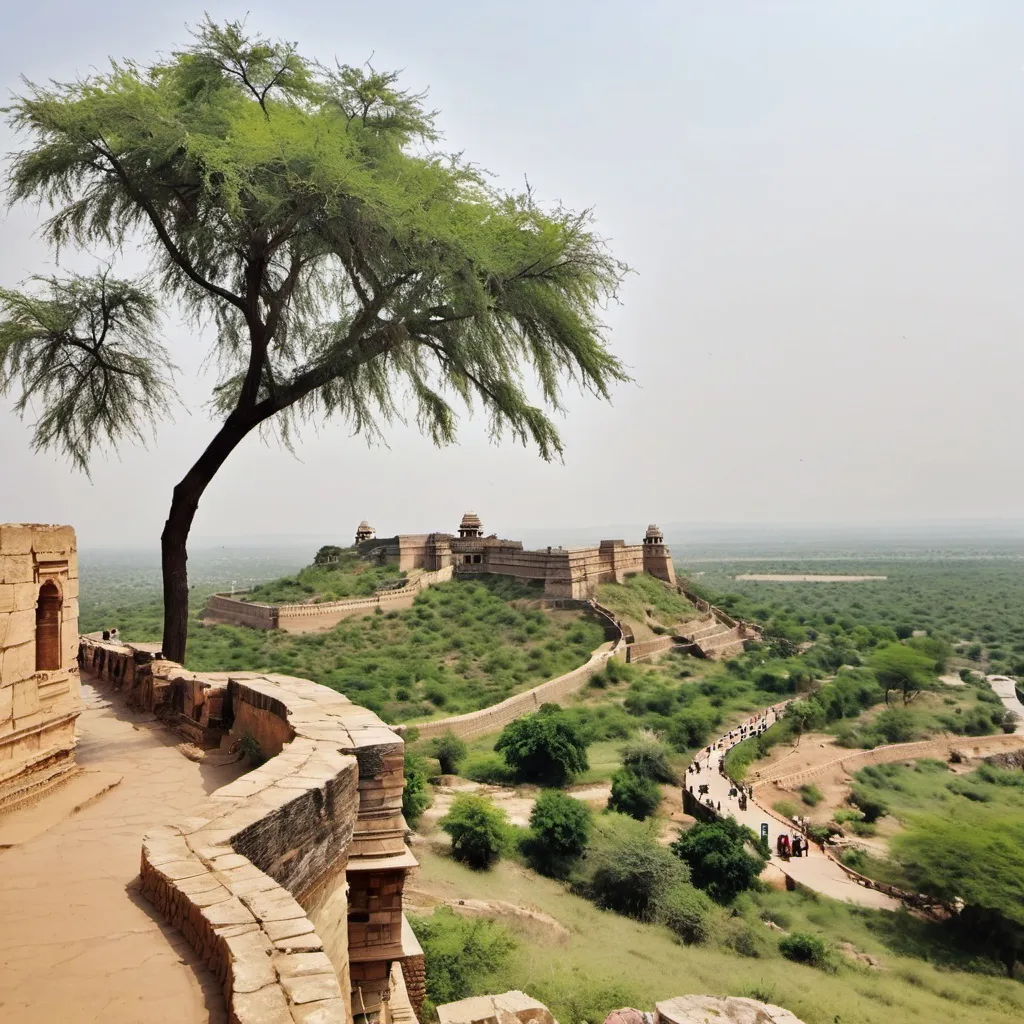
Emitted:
<point x="714" y="639"/>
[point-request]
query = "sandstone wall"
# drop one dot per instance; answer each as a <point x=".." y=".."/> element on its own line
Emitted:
<point x="940" y="748"/>
<point x="644" y="649"/>
<point x="259" y="880"/>
<point x="39" y="686"/>
<point x="308" y="618"/>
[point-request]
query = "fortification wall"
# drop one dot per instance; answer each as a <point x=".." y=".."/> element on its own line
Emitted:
<point x="940" y="748"/>
<point x="261" y="881"/>
<point x="309" y="618"/>
<point x="644" y="649"/>
<point x="39" y="687"/>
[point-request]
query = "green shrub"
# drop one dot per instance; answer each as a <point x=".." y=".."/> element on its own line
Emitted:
<point x="489" y="769"/>
<point x="864" y="829"/>
<point x="459" y="952"/>
<point x="450" y="751"/>
<point x="626" y="869"/>
<point x="479" y="831"/>
<point x="646" y="755"/>
<point x="870" y="805"/>
<point x="250" y="749"/>
<point x="786" y="808"/>
<point x="635" y="795"/>
<point x="559" y="832"/>
<point x="688" y="912"/>
<point x="802" y="948"/>
<point x="811" y="795"/>
<point x="416" y="795"/>
<point x="847" y="814"/>
<point x="724" y="857"/>
<point x="547" y="748"/>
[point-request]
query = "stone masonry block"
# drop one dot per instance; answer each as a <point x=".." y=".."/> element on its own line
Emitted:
<point x="308" y="989"/>
<point x="26" y="698"/>
<point x="16" y="662"/>
<point x="267" y="1006"/>
<point x="324" y="1011"/>
<point x="16" y="569"/>
<point x="15" y="540"/>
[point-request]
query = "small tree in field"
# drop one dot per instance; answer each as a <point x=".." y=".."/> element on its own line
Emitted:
<point x="450" y="751"/>
<point x="345" y="266"/>
<point x="635" y="795"/>
<point x="724" y="857"/>
<point x="547" y="748"/>
<point x="478" y="830"/>
<point x="560" y="829"/>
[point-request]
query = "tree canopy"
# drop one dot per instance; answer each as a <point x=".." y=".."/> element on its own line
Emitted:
<point x="724" y="857"/>
<point x="346" y="266"/>
<point x="974" y="860"/>
<point x="548" y="748"/>
<point x="903" y="668"/>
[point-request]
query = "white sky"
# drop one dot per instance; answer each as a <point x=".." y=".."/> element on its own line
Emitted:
<point x="823" y="205"/>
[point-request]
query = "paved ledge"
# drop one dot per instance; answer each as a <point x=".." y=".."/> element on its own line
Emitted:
<point x="255" y="880"/>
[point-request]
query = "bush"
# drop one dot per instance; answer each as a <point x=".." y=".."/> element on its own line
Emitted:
<point x="450" y="751"/>
<point x="647" y="756"/>
<point x="626" y="869"/>
<point x="459" y="952"/>
<point x="802" y="948"/>
<point x="560" y="830"/>
<point x="479" y="831"/>
<point x="724" y="857"/>
<point x="811" y="795"/>
<point x="688" y="912"/>
<point x="786" y="808"/>
<point x="416" y="795"/>
<point x="895" y="725"/>
<point x="547" y="748"/>
<point x="489" y="769"/>
<point x="635" y="795"/>
<point x="870" y="805"/>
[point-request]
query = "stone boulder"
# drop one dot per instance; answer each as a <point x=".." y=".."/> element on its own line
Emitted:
<point x="712" y="1010"/>
<point x="508" y="1008"/>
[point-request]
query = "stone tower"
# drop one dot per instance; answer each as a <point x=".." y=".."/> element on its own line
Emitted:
<point x="470" y="527"/>
<point x="39" y="685"/>
<point x="657" y="560"/>
<point x="364" y="531"/>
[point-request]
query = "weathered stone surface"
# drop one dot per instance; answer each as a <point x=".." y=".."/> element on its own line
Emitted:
<point x="731" y="1010"/>
<point x="267" y="1006"/>
<point x="307" y="989"/>
<point x="513" y="1007"/>
<point x="324" y="1011"/>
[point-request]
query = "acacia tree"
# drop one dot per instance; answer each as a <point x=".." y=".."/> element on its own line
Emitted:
<point x="347" y="267"/>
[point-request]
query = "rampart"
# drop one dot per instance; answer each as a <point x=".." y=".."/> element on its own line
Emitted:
<point x="287" y="882"/>
<point x="307" y="618"/>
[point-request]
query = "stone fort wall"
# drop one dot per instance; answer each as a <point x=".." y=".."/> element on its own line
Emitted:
<point x="288" y="881"/>
<point x="39" y="687"/>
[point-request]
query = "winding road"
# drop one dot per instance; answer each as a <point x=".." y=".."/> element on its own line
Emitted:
<point x="814" y="870"/>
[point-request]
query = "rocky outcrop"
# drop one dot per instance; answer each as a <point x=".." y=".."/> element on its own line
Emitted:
<point x="730" y="1010"/>
<point x="509" y="1008"/>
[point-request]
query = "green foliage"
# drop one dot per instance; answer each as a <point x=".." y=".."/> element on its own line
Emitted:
<point x="479" y="831"/>
<point x="870" y="805"/>
<point x="250" y="749"/>
<point x="559" y="832"/>
<point x="688" y="912"/>
<point x="626" y="869"/>
<point x="459" y="952"/>
<point x="450" y="752"/>
<point x="330" y="578"/>
<point x="724" y="857"/>
<point x="894" y="725"/>
<point x="807" y="949"/>
<point x="977" y="857"/>
<point x="903" y="668"/>
<point x="811" y="795"/>
<point x="647" y="756"/>
<point x="787" y="808"/>
<point x="416" y="795"/>
<point x="547" y="748"/>
<point x="635" y="795"/>
<point x="489" y="769"/>
<point x="641" y="597"/>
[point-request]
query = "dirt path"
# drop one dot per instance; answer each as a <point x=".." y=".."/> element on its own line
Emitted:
<point x="1006" y="689"/>
<point x="77" y="941"/>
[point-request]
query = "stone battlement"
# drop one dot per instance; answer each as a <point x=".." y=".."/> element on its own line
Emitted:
<point x="288" y="882"/>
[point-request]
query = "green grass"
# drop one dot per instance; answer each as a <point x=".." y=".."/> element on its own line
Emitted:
<point x="611" y="961"/>
<point x="350" y="576"/>
<point x="643" y="597"/>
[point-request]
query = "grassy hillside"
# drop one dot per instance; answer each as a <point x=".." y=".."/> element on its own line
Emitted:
<point x="612" y="961"/>
<point x="646" y="604"/>
<point x="462" y="646"/>
<point x="349" y="576"/>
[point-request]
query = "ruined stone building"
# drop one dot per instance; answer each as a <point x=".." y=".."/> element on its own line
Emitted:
<point x="565" y="572"/>
<point x="39" y="685"/>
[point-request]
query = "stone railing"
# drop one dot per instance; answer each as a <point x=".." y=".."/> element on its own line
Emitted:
<point x="304" y="618"/>
<point x="287" y="882"/>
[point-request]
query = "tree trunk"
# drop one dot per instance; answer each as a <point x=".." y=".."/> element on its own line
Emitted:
<point x="174" y="539"/>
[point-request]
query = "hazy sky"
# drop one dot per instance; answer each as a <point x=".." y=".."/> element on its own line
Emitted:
<point x="822" y="202"/>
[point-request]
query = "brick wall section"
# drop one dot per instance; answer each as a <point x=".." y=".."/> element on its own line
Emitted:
<point x="258" y="880"/>
<point x="644" y="649"/>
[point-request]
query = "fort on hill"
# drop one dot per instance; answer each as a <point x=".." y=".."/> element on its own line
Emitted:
<point x="429" y="558"/>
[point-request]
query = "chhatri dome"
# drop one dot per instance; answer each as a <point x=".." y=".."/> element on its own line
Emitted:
<point x="653" y="535"/>
<point x="471" y="526"/>
<point x="364" y="531"/>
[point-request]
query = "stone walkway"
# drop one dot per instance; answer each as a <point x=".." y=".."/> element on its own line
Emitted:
<point x="1006" y="690"/>
<point x="77" y="941"/>
<point x="815" y="871"/>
